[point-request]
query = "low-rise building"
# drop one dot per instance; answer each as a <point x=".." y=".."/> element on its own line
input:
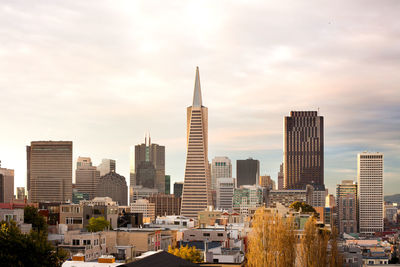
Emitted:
<point x="16" y="215"/>
<point x="146" y="207"/>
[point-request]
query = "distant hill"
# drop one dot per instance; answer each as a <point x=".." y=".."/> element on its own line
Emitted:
<point x="393" y="198"/>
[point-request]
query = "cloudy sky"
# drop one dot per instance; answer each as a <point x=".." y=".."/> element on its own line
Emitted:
<point x="103" y="73"/>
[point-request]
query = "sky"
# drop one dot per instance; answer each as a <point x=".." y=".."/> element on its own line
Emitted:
<point x="104" y="73"/>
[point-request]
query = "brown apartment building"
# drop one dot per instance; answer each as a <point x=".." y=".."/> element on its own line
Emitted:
<point x="49" y="171"/>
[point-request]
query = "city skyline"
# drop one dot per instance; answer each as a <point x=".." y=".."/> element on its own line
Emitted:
<point x="345" y="66"/>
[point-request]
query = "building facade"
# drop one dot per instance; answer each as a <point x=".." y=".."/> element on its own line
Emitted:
<point x="347" y="213"/>
<point x="303" y="149"/>
<point x="196" y="194"/>
<point x="267" y="182"/>
<point x="225" y="190"/>
<point x="165" y="204"/>
<point x="246" y="197"/>
<point x="370" y="192"/>
<point x="49" y="171"/>
<point x="6" y="185"/>
<point x="247" y="172"/>
<point x="146" y="207"/>
<point x="149" y="166"/>
<point x="106" y="166"/>
<point x="280" y="177"/>
<point x="114" y="186"/>
<point x="221" y="167"/>
<point x="86" y="177"/>
<point x="178" y="188"/>
<point x="21" y="193"/>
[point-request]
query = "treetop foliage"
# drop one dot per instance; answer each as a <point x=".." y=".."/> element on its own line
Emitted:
<point x="186" y="253"/>
<point x="97" y="224"/>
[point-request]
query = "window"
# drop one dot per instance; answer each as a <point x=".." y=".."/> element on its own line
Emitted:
<point x="220" y="234"/>
<point x="75" y="242"/>
<point x="206" y="234"/>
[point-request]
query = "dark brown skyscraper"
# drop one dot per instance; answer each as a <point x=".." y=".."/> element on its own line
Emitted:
<point x="303" y="149"/>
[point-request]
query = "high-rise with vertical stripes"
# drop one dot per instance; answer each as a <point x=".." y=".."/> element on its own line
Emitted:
<point x="196" y="194"/>
<point x="303" y="150"/>
<point x="370" y="192"/>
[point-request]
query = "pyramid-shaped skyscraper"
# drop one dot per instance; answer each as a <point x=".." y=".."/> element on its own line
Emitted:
<point x="196" y="194"/>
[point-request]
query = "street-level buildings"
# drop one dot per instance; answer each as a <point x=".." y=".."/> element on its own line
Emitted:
<point x="49" y="171"/>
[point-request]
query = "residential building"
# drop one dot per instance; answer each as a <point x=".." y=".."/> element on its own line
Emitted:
<point x="149" y="166"/>
<point x="165" y="204"/>
<point x="178" y="188"/>
<point x="221" y="167"/>
<point x="143" y="239"/>
<point x="86" y="177"/>
<point x="267" y="182"/>
<point x="6" y="185"/>
<point x="146" y="207"/>
<point x="21" y="193"/>
<point x="90" y="245"/>
<point x="49" y="171"/>
<point x="247" y="172"/>
<point x="303" y="149"/>
<point x="16" y="215"/>
<point x="225" y="189"/>
<point x="77" y="216"/>
<point x="196" y="194"/>
<point x="280" y="177"/>
<point x="370" y="192"/>
<point x="318" y="195"/>
<point x="106" y="166"/>
<point x="114" y="186"/>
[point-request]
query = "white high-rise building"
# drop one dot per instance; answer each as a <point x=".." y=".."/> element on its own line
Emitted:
<point x="106" y="166"/>
<point x="221" y="167"/>
<point x="225" y="189"/>
<point x="370" y="192"/>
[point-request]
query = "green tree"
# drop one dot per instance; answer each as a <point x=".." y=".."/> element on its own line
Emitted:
<point x="304" y="207"/>
<point x="32" y="216"/>
<point x="33" y="249"/>
<point x="97" y="224"/>
<point x="186" y="253"/>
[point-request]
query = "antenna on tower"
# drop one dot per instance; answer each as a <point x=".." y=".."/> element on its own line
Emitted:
<point x="318" y="111"/>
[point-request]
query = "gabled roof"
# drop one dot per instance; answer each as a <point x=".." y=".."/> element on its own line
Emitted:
<point x="160" y="259"/>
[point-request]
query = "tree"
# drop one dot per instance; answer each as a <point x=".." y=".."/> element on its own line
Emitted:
<point x="97" y="224"/>
<point x="272" y="241"/>
<point x="33" y="249"/>
<point x="186" y="253"/>
<point x="304" y="207"/>
<point x="32" y="216"/>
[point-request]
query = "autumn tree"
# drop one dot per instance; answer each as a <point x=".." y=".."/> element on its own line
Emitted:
<point x="97" y="224"/>
<point x="318" y="247"/>
<point x="187" y="253"/>
<point x="272" y="241"/>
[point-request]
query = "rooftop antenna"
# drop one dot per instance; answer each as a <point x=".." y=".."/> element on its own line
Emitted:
<point x="318" y="111"/>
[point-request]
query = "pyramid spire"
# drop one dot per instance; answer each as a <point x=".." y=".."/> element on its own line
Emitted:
<point x="197" y="102"/>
